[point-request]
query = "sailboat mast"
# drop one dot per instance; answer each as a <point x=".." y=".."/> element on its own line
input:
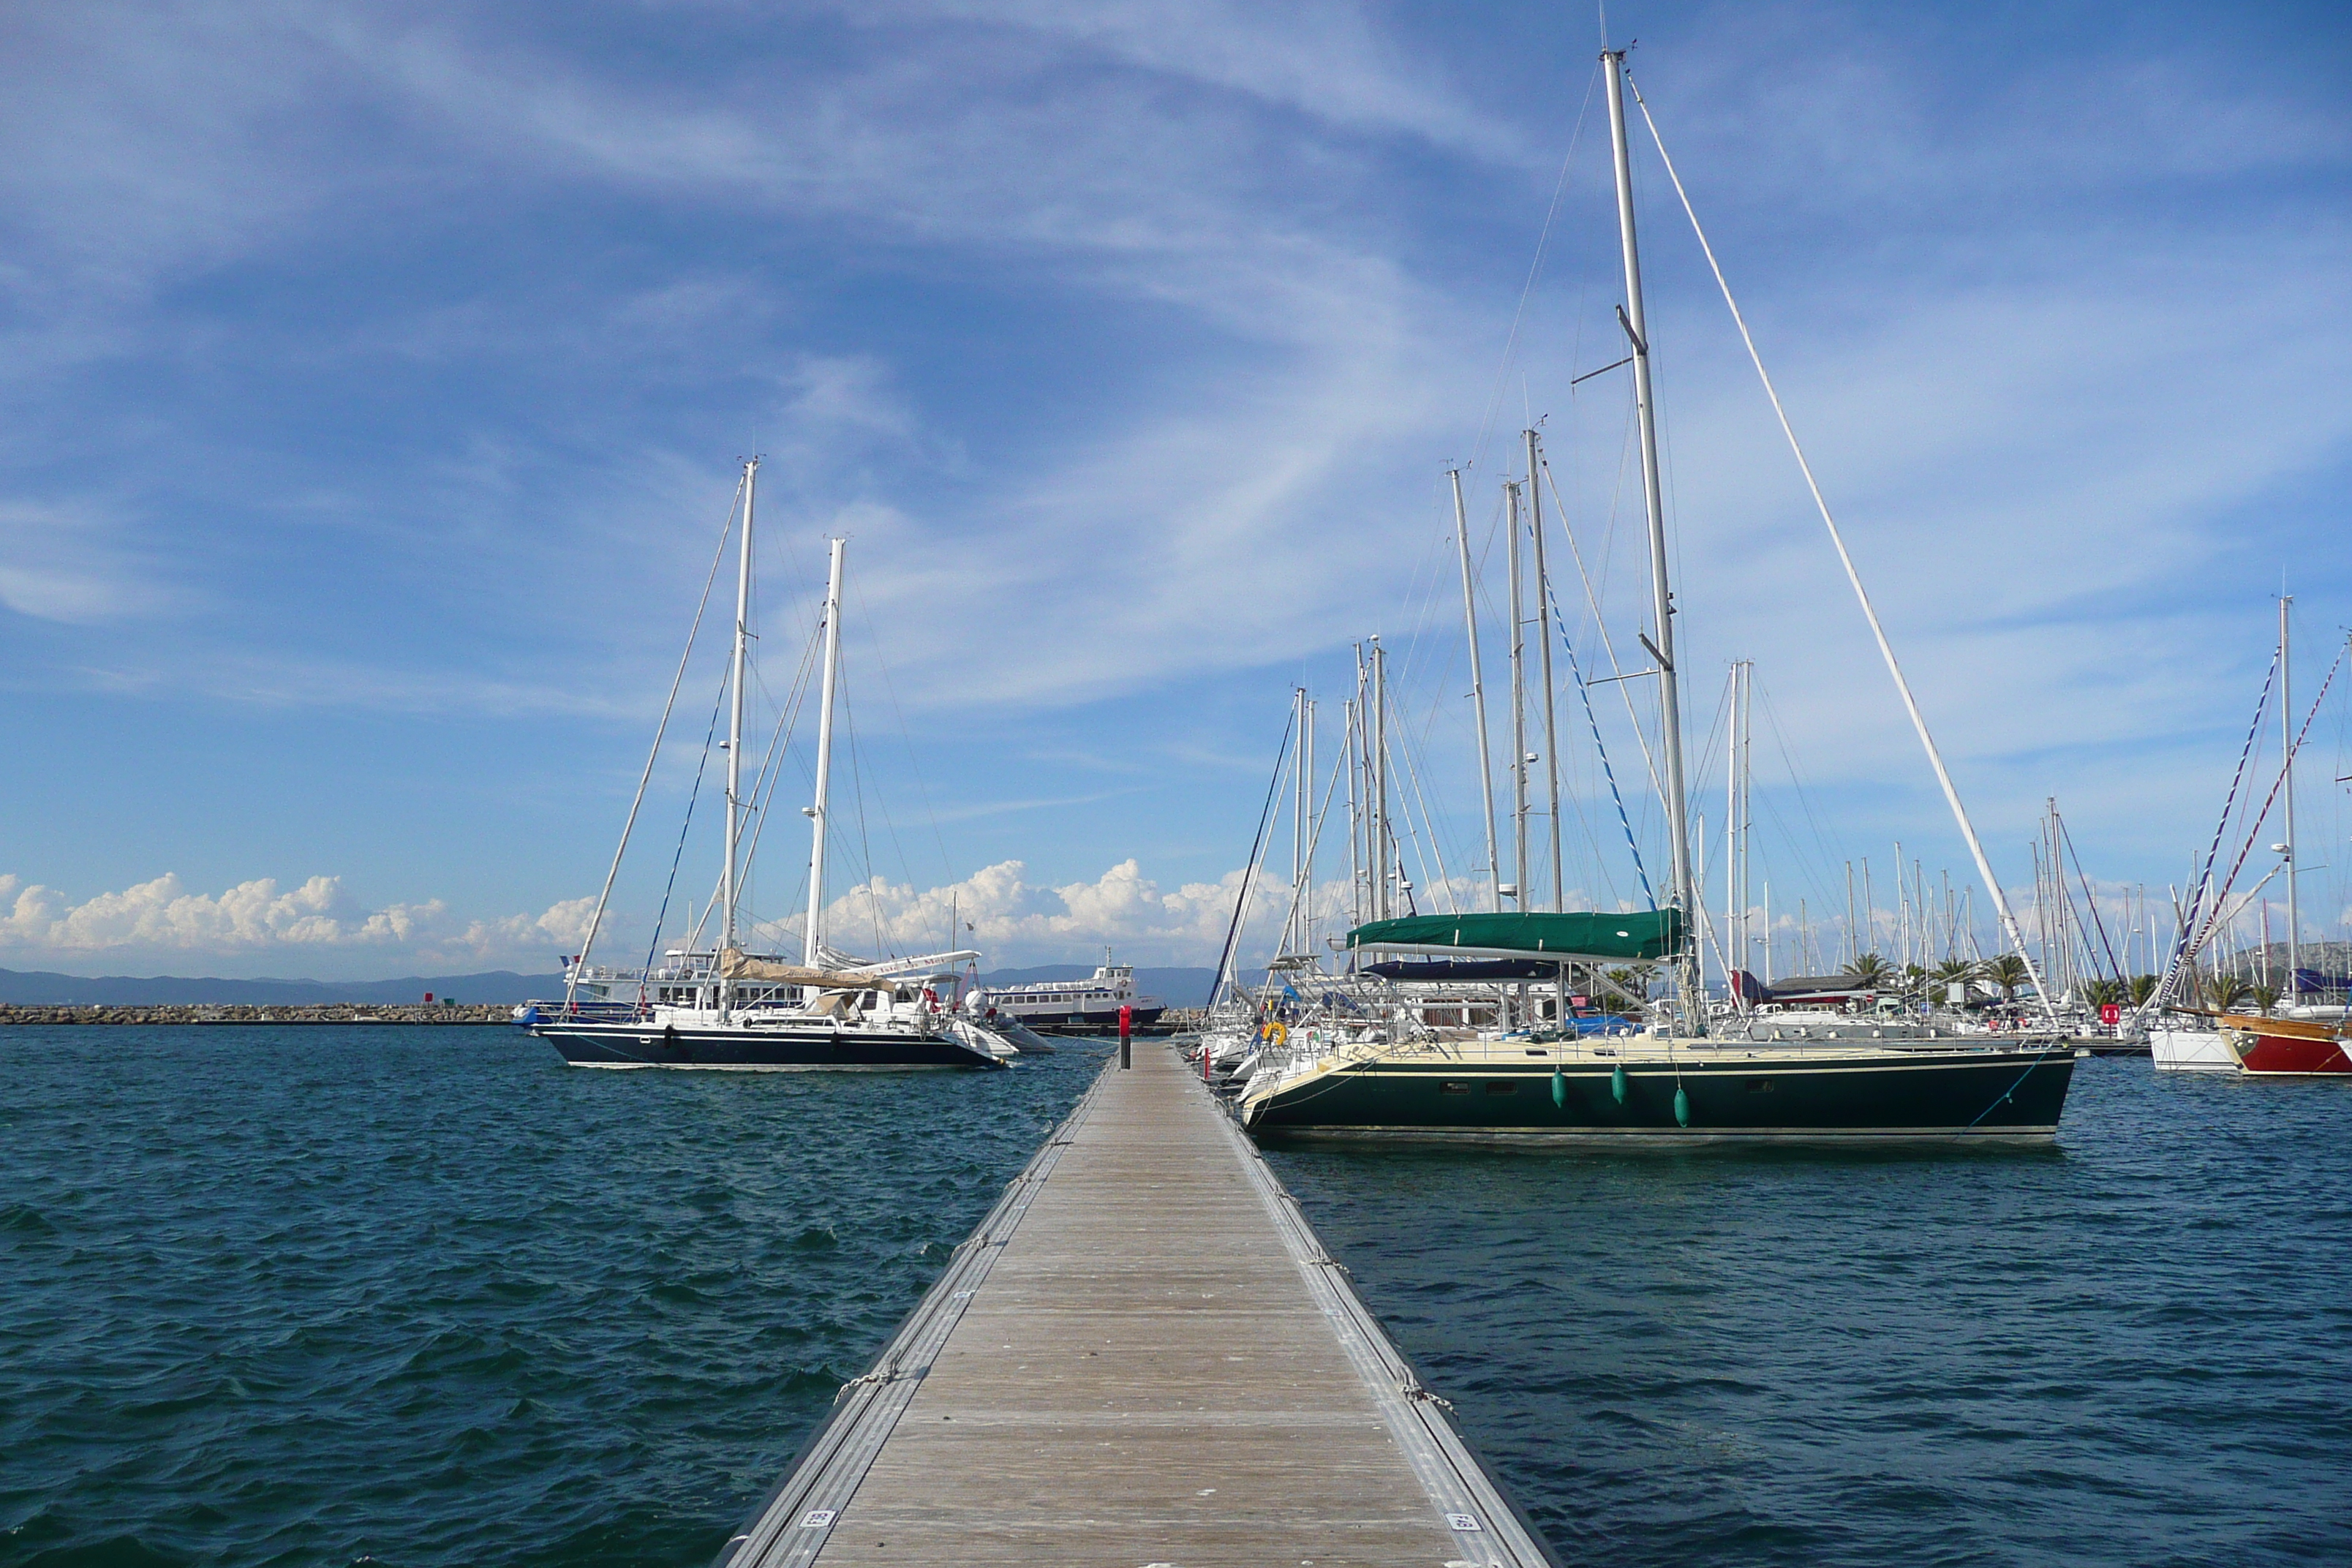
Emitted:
<point x="1361" y="792"/>
<point x="1301" y="763"/>
<point x="1519" y="706"/>
<point x="1645" y="408"/>
<point x="1543" y="636"/>
<point x="1360" y="797"/>
<point x="1306" y="891"/>
<point x="1477" y="693"/>
<point x="2287" y="764"/>
<point x="732" y="889"/>
<point x="1734" y="956"/>
<point x="814" y="934"/>
<point x="1378" y="735"/>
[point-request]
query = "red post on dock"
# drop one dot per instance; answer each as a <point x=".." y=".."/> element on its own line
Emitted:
<point x="1126" y="1019"/>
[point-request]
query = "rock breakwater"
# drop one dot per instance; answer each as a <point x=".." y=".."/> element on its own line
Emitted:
<point x="230" y="1013"/>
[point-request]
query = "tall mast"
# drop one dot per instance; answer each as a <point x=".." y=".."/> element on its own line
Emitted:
<point x="732" y="887"/>
<point x="1663" y="600"/>
<point x="1733" y="955"/>
<point x="1306" y="891"/>
<point x="1354" y="747"/>
<point x="1518" y="707"/>
<point x="1360" y="790"/>
<point x="1378" y="735"/>
<point x="2286" y="754"/>
<point x="1302" y="764"/>
<point x="814" y="935"/>
<point x="1747" y="822"/>
<point x="1543" y="636"/>
<point x="1478" y="692"/>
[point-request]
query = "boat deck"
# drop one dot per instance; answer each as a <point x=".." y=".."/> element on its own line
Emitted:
<point x="1142" y="1356"/>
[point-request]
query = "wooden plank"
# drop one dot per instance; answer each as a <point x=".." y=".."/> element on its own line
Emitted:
<point x="1141" y="1356"/>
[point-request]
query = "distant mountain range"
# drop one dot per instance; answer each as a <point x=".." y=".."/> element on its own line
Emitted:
<point x="37" y="988"/>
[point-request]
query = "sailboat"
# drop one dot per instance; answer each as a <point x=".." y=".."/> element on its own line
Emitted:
<point x="729" y="1008"/>
<point x="2305" y="1041"/>
<point x="1680" y="1077"/>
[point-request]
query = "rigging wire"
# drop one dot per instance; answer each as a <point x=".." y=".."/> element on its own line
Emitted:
<point x="763" y="782"/>
<point x="1575" y="674"/>
<point x="1885" y="648"/>
<point x="677" y="855"/>
<point x="597" y="919"/>
<point x="1534" y="270"/>
<point x="1249" y="876"/>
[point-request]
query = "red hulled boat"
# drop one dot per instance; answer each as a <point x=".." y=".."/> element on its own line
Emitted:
<point x="2288" y="1047"/>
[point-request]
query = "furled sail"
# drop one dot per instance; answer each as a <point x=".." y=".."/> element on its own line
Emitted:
<point x="734" y="964"/>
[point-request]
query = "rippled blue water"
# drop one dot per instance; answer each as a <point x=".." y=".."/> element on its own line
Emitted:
<point x="428" y="1295"/>
<point x="307" y="1296"/>
<point x="2134" y="1350"/>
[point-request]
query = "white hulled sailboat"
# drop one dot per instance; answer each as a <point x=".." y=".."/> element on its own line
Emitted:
<point x="726" y="1008"/>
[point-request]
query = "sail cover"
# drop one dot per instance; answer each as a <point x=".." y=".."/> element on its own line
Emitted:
<point x="1580" y="935"/>
<point x="736" y="964"/>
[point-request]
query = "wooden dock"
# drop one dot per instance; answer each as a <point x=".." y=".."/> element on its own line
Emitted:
<point x="1141" y="1357"/>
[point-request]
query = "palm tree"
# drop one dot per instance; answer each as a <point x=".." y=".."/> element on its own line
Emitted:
<point x="1955" y="971"/>
<point x="2009" y="971"/>
<point x="2226" y="993"/>
<point x="2104" y="993"/>
<point x="2266" y="996"/>
<point x="2143" y="987"/>
<point x="1871" y="972"/>
<point x="1629" y="983"/>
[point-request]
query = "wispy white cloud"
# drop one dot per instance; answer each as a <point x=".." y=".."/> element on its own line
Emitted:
<point x="66" y="562"/>
<point x="1126" y="340"/>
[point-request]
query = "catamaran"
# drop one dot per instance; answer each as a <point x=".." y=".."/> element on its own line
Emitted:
<point x="1378" y="1067"/>
<point x="725" y="1008"/>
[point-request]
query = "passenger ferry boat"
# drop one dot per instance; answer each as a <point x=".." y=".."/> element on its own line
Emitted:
<point x="733" y="1009"/>
<point x="1088" y="1004"/>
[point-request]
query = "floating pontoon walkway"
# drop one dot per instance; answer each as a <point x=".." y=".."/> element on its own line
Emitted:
<point x="1144" y="1357"/>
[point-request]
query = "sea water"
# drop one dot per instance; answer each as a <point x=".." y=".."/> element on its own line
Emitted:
<point x="426" y="1296"/>
<point x="2133" y="1349"/>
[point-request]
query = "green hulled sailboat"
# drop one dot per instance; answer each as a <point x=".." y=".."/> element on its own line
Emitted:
<point x="1395" y="1071"/>
<point x="1400" y="1079"/>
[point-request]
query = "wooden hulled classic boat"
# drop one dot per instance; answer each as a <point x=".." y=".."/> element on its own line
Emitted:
<point x="1552" y="1085"/>
<point x="2286" y="1047"/>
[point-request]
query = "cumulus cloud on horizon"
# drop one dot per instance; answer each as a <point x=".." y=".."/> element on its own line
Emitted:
<point x="165" y="916"/>
<point x="1010" y="918"/>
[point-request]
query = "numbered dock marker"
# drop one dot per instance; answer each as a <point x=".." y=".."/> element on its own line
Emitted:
<point x="1466" y="1523"/>
<point x="817" y="1519"/>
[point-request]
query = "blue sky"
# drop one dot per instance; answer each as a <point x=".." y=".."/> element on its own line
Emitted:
<point x="375" y="382"/>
